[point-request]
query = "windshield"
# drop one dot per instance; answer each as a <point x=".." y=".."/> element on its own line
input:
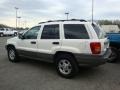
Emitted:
<point x="100" y="33"/>
<point x="1" y="29"/>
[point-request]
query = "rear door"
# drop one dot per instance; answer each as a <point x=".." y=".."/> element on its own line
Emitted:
<point x="49" y="41"/>
<point x="76" y="38"/>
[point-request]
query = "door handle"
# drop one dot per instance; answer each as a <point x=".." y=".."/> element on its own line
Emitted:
<point x="56" y="43"/>
<point x="33" y="42"/>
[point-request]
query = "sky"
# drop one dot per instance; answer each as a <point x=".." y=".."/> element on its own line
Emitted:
<point x="34" y="11"/>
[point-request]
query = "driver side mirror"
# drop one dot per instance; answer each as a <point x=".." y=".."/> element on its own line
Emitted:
<point x="20" y="36"/>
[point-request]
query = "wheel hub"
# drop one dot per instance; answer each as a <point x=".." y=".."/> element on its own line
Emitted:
<point x="65" y="67"/>
<point x="12" y="54"/>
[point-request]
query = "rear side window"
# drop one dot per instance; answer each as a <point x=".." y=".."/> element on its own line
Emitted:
<point x="50" y="32"/>
<point x="75" y="31"/>
<point x="97" y="29"/>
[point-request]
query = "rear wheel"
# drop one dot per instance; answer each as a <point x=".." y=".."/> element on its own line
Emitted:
<point x="114" y="55"/>
<point x="15" y="34"/>
<point x="66" y="66"/>
<point x="12" y="54"/>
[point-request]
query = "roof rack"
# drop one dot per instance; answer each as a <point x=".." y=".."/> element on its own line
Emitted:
<point x="42" y="22"/>
<point x="81" y="20"/>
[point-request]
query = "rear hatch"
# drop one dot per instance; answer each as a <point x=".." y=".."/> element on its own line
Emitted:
<point x="101" y="38"/>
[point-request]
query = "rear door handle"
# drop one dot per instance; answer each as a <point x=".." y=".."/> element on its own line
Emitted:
<point x="56" y="43"/>
<point x="33" y="42"/>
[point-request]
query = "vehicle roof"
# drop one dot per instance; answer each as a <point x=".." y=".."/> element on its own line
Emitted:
<point x="72" y="21"/>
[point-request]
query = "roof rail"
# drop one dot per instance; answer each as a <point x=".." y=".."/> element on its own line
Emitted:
<point x="42" y="22"/>
<point x="81" y="20"/>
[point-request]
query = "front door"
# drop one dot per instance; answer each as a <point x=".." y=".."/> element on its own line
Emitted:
<point x="28" y="45"/>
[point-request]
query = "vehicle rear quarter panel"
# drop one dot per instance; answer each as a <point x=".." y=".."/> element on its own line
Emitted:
<point x="104" y="44"/>
<point x="75" y="45"/>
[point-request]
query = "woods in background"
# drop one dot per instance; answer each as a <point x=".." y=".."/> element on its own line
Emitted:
<point x="109" y="22"/>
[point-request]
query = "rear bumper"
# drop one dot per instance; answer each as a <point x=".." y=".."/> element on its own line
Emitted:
<point x="93" y="60"/>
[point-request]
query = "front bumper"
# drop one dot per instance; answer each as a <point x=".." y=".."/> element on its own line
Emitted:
<point x="93" y="60"/>
<point x="6" y="47"/>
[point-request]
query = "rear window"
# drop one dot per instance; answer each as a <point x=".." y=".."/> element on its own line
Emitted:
<point x="75" y="31"/>
<point x="100" y="33"/>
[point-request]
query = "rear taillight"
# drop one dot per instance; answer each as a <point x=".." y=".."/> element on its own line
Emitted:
<point x="95" y="47"/>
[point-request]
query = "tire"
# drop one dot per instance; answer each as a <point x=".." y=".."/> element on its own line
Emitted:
<point x="12" y="54"/>
<point x="1" y="35"/>
<point x="114" y="55"/>
<point x="15" y="34"/>
<point x="66" y="66"/>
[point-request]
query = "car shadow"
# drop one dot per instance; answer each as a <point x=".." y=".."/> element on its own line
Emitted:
<point x="38" y="64"/>
<point x="50" y="67"/>
<point x="118" y="60"/>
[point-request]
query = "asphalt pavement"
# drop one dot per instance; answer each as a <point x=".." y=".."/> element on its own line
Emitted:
<point x="36" y="75"/>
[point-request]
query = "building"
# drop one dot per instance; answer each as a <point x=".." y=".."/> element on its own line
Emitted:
<point x="110" y="28"/>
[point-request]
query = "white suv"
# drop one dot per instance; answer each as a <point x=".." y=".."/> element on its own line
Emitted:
<point x="67" y="43"/>
<point x="7" y="31"/>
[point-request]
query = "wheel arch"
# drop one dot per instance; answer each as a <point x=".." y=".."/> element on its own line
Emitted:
<point x="114" y="45"/>
<point x="9" y="45"/>
<point x="63" y="52"/>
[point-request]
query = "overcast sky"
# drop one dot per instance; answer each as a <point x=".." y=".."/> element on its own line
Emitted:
<point x="34" y="11"/>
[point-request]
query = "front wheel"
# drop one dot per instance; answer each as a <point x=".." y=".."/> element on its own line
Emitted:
<point x="66" y="66"/>
<point x="1" y="35"/>
<point x="12" y="54"/>
<point x="114" y="55"/>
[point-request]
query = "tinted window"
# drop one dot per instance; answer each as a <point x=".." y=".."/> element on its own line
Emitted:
<point x="32" y="33"/>
<point x="2" y="29"/>
<point x="98" y="31"/>
<point x="75" y="31"/>
<point x="50" y="32"/>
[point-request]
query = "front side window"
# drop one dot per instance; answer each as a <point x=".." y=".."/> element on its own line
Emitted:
<point x="75" y="31"/>
<point x="32" y="33"/>
<point x="50" y="32"/>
